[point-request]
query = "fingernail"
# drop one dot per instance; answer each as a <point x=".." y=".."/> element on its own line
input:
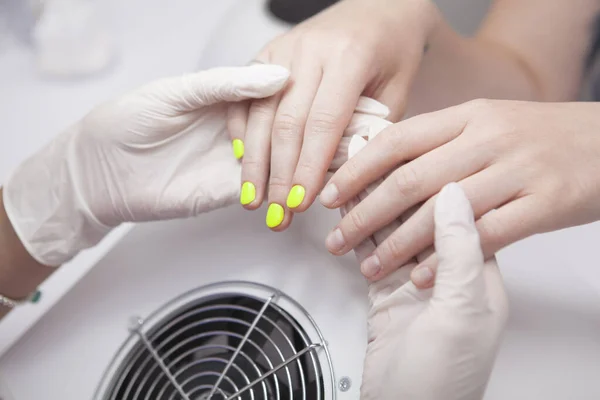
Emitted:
<point x="275" y="215"/>
<point x="248" y="193"/>
<point x="371" y="266"/>
<point x="296" y="196"/>
<point x="335" y="240"/>
<point x="238" y="148"/>
<point x="329" y="195"/>
<point x="422" y="276"/>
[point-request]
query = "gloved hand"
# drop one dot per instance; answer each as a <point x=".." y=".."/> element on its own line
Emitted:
<point x="160" y="152"/>
<point x="440" y="343"/>
<point x="156" y="153"/>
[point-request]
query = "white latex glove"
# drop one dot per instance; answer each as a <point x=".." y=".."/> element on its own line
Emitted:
<point x="440" y="343"/>
<point x="159" y="152"/>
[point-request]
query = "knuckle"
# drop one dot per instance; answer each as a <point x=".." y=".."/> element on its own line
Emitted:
<point x="347" y="46"/>
<point x="480" y="105"/>
<point x="253" y="166"/>
<point x="392" y="249"/>
<point x="262" y="109"/>
<point x="309" y="42"/>
<point x="351" y="171"/>
<point x="287" y="126"/>
<point x="357" y="221"/>
<point x="406" y="182"/>
<point x="392" y="139"/>
<point x="491" y="230"/>
<point x="354" y="43"/>
<point x="488" y="113"/>
<point x="323" y="122"/>
<point x="309" y="169"/>
<point x="278" y="181"/>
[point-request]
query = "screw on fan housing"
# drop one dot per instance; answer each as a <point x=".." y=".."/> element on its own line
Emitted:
<point x="135" y="323"/>
<point x="344" y="384"/>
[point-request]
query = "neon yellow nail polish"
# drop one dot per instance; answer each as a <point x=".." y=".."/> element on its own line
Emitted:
<point x="275" y="215"/>
<point x="248" y="193"/>
<point x="296" y="196"/>
<point x="238" y="148"/>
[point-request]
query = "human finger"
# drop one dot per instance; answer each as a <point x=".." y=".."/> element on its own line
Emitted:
<point x="401" y="142"/>
<point x="288" y="129"/>
<point x="237" y="117"/>
<point x="499" y="228"/>
<point x="485" y="190"/>
<point x="257" y="140"/>
<point x="330" y="114"/>
<point x="410" y="184"/>
<point x="257" y="148"/>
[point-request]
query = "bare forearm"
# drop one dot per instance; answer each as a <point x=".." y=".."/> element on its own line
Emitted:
<point x="20" y="274"/>
<point x="525" y="50"/>
<point x="456" y="69"/>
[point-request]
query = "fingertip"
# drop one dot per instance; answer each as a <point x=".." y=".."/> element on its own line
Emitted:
<point x="371" y="267"/>
<point x="329" y="195"/>
<point x="275" y="71"/>
<point x="278" y="218"/>
<point x="238" y="148"/>
<point x="271" y="77"/>
<point x="453" y="208"/>
<point x="335" y="242"/>
<point x="296" y="198"/>
<point x="248" y="194"/>
<point x="422" y="277"/>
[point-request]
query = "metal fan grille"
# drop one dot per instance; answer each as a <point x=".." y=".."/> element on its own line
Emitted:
<point x="226" y="345"/>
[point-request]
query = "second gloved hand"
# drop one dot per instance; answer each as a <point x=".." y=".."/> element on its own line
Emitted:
<point x="440" y="343"/>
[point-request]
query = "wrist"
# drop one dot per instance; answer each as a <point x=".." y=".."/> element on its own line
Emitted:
<point x="422" y="15"/>
<point x="429" y="16"/>
<point x="44" y="200"/>
<point x="20" y="273"/>
<point x="425" y="16"/>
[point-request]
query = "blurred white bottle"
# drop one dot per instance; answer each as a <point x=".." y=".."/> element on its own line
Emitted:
<point x="70" y="38"/>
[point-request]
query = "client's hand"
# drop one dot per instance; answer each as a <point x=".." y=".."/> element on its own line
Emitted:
<point x="288" y="141"/>
<point x="536" y="164"/>
<point x="440" y="343"/>
<point x="159" y="152"/>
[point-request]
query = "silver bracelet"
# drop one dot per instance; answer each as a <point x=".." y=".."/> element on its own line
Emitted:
<point x="7" y="302"/>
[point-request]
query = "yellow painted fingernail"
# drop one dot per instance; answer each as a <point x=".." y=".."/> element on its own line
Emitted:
<point x="238" y="148"/>
<point x="275" y="215"/>
<point x="248" y="193"/>
<point x="296" y="196"/>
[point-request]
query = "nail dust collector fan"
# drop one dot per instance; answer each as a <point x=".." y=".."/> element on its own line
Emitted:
<point x="222" y="342"/>
<point x="213" y="307"/>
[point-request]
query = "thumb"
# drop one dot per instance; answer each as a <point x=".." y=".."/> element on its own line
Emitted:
<point x="459" y="280"/>
<point x="227" y="84"/>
